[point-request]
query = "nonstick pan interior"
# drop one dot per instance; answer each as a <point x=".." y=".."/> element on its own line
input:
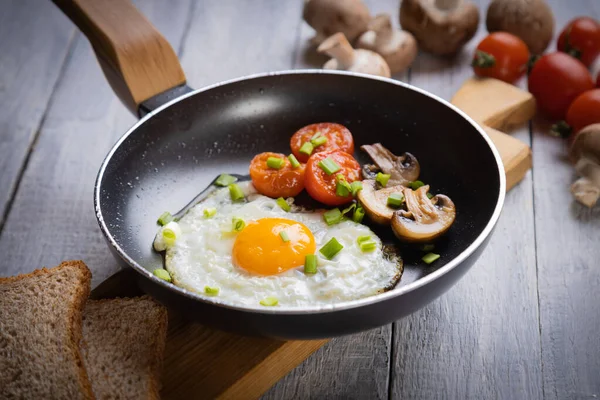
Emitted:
<point x="164" y="162"/>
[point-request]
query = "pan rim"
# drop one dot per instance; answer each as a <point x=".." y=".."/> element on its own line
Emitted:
<point x="342" y="306"/>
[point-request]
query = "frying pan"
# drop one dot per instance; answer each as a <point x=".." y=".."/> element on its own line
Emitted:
<point x="185" y="138"/>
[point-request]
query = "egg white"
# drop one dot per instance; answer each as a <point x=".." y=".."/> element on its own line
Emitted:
<point x="202" y="256"/>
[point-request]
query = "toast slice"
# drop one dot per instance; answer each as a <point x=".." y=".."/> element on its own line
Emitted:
<point x="40" y="330"/>
<point x="123" y="345"/>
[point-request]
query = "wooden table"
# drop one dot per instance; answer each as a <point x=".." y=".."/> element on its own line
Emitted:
<point x="523" y="324"/>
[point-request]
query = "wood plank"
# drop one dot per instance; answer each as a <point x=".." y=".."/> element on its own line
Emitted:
<point x="28" y="28"/>
<point x="481" y="339"/>
<point x="568" y="254"/>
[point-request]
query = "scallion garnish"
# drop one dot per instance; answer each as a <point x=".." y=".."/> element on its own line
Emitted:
<point x="355" y="187"/>
<point x="430" y="257"/>
<point x="306" y="148"/>
<point x="162" y="274"/>
<point x="238" y="224"/>
<point x="284" y="236"/>
<point x="414" y="185"/>
<point x="318" y="141"/>
<point x="316" y="135"/>
<point x="225" y="180"/>
<point x="310" y="264"/>
<point x="211" y="291"/>
<point x="395" y="200"/>
<point x="358" y="215"/>
<point x="236" y="192"/>
<point x="332" y="216"/>
<point x="382" y="179"/>
<point x="329" y="166"/>
<point x="269" y="302"/>
<point x="275" y="162"/>
<point x="209" y="212"/>
<point x="342" y="189"/>
<point x="363" y="238"/>
<point x="349" y="208"/>
<point x="169" y="236"/>
<point x="369" y="245"/>
<point x="165" y="218"/>
<point x="428" y="247"/>
<point x="283" y="204"/>
<point x="331" y="248"/>
<point x="429" y="195"/>
<point x="294" y="161"/>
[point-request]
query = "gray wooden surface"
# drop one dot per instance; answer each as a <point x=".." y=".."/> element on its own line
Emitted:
<point x="523" y="324"/>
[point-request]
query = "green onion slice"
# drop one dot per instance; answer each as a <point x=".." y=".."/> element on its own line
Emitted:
<point x="169" y="236"/>
<point x="275" y="162"/>
<point x="332" y="216"/>
<point x="236" y="192"/>
<point x="415" y="185"/>
<point x="310" y="264"/>
<point x="238" y="224"/>
<point x="429" y="195"/>
<point x="355" y="187"/>
<point x="342" y="189"/>
<point x="428" y="247"/>
<point x="211" y="291"/>
<point x="283" y="204"/>
<point x="395" y="200"/>
<point x="368" y="245"/>
<point x="359" y="214"/>
<point x="430" y="257"/>
<point x="351" y="207"/>
<point x="284" y="236"/>
<point x="306" y="148"/>
<point x="162" y="274"/>
<point x="294" y="161"/>
<point x="382" y="179"/>
<point x="269" y="301"/>
<point x="363" y="238"/>
<point x="318" y="141"/>
<point x="331" y="248"/>
<point x="225" y="180"/>
<point x="329" y="166"/>
<point x="316" y="135"/>
<point x="209" y="212"/>
<point x="165" y="218"/>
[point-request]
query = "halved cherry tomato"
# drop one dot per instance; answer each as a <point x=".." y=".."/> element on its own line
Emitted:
<point x="501" y="55"/>
<point x="556" y="79"/>
<point x="584" y="111"/>
<point x="322" y="186"/>
<point x="283" y="182"/>
<point x="338" y="137"/>
<point x="581" y="39"/>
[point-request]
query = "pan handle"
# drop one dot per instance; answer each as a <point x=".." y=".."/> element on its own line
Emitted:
<point x="136" y="59"/>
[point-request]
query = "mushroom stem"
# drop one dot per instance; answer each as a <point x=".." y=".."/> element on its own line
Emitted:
<point x="587" y="188"/>
<point x="382" y="26"/>
<point x="338" y="47"/>
<point x="446" y="5"/>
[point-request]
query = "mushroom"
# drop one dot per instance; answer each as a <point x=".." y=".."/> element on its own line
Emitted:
<point x="346" y="58"/>
<point x="327" y="17"/>
<point x="531" y="20"/>
<point x="585" y="154"/>
<point x="424" y="219"/>
<point x="397" y="47"/>
<point x="441" y="27"/>
<point x="374" y="201"/>
<point x="402" y="169"/>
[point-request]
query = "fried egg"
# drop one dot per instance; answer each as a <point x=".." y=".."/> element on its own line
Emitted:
<point x="209" y="257"/>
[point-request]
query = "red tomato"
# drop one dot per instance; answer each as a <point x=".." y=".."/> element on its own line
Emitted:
<point x="338" y="137"/>
<point x="501" y="55"/>
<point x="581" y="39"/>
<point x="283" y="182"/>
<point x="584" y="111"/>
<point x="555" y="81"/>
<point x="321" y="186"/>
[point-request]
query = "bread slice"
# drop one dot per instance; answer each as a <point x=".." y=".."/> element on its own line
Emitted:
<point x="123" y="345"/>
<point x="40" y="330"/>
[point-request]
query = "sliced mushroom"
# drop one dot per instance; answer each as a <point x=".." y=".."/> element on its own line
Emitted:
<point x="403" y="169"/>
<point x="374" y="201"/>
<point x="425" y="219"/>
<point x="585" y="154"/>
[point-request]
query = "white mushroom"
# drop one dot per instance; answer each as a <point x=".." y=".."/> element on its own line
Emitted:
<point x="585" y="154"/>
<point x="348" y="59"/>
<point x="397" y="47"/>
<point x="327" y="17"/>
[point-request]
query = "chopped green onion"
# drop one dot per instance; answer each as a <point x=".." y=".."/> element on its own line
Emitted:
<point x="369" y="245"/>
<point x="236" y="192"/>
<point x="310" y="264"/>
<point x="238" y="224"/>
<point x="428" y="247"/>
<point x="211" y="291"/>
<point x="165" y="218"/>
<point x="283" y="204"/>
<point x="316" y="142"/>
<point x="395" y="200"/>
<point x="294" y="161"/>
<point x="269" y="302"/>
<point x="359" y="214"/>
<point x="430" y="257"/>
<point x="225" y="180"/>
<point x="332" y="216"/>
<point x="275" y="162"/>
<point x="415" y="185"/>
<point x="329" y="166"/>
<point x="355" y="187"/>
<point x="306" y="148"/>
<point x="342" y="189"/>
<point x="169" y="236"/>
<point x="429" y="195"/>
<point x="382" y="179"/>
<point x="209" y="212"/>
<point x="162" y="274"/>
<point x="316" y="135"/>
<point x="349" y="208"/>
<point x="363" y="238"/>
<point x="284" y="236"/>
<point x="331" y="248"/>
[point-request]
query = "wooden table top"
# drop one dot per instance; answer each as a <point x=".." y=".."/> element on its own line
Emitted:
<point x="524" y="323"/>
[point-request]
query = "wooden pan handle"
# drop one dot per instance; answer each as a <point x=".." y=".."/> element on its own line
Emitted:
<point x="136" y="59"/>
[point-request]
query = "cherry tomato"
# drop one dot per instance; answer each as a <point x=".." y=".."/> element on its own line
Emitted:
<point x="501" y="55"/>
<point x="556" y="79"/>
<point x="321" y="186"/>
<point x="584" y="111"/>
<point x="581" y="39"/>
<point x="338" y="137"/>
<point x="283" y="182"/>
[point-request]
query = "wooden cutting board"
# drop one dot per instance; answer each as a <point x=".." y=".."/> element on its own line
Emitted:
<point x="202" y="363"/>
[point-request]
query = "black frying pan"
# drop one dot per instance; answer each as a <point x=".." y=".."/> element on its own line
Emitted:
<point x="189" y="137"/>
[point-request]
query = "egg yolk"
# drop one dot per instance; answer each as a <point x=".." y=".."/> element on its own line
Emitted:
<point x="259" y="248"/>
